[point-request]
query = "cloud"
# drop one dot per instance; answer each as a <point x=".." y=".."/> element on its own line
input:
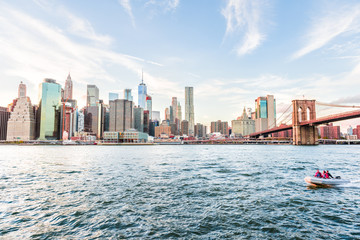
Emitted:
<point x="126" y="5"/>
<point x="33" y="49"/>
<point x="162" y="5"/>
<point x="244" y="17"/>
<point x="335" y="22"/>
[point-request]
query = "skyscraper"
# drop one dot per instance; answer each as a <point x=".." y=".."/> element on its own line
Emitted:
<point x="142" y="92"/>
<point x="50" y="100"/>
<point x="92" y="95"/>
<point x="167" y="114"/>
<point x="4" y="117"/>
<point x="265" y="113"/>
<point x="121" y="115"/>
<point x="189" y="108"/>
<point x="149" y="106"/>
<point x="174" y="106"/>
<point x="179" y="113"/>
<point x="127" y="95"/>
<point x="68" y="94"/>
<point x="139" y="119"/>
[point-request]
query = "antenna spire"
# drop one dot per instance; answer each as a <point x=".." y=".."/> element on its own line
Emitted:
<point x="142" y="76"/>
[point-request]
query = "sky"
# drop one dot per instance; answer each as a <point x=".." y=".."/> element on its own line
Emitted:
<point x="230" y="51"/>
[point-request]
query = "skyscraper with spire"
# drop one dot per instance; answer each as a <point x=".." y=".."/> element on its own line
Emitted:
<point x="68" y="88"/>
<point x="189" y="108"/>
<point x="142" y="92"/>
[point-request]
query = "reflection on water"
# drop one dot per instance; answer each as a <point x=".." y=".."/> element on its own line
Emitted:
<point x="177" y="192"/>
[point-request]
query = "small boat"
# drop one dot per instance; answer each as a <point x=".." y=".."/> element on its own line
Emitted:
<point x="326" y="181"/>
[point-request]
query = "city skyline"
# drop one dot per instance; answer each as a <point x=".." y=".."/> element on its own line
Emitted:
<point x="231" y="52"/>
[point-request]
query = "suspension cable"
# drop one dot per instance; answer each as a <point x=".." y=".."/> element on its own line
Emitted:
<point x="335" y="105"/>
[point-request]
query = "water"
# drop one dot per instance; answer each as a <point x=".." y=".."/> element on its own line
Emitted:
<point x="169" y="192"/>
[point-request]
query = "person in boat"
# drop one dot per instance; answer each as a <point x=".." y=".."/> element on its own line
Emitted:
<point x="318" y="174"/>
<point x="323" y="174"/>
<point x="328" y="175"/>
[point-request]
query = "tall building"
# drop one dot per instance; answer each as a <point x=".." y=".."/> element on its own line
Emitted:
<point x="94" y="119"/>
<point x="179" y="113"/>
<point x="146" y="122"/>
<point x="50" y="103"/>
<point x="265" y="113"/>
<point x="167" y="114"/>
<point x="163" y="130"/>
<point x="189" y="108"/>
<point x="92" y="96"/>
<point x="4" y="117"/>
<point x="121" y="115"/>
<point x="139" y="118"/>
<point x="350" y="130"/>
<point x="113" y="96"/>
<point x="142" y="92"/>
<point x="174" y="107"/>
<point x="80" y="121"/>
<point x="68" y="92"/>
<point x="127" y="95"/>
<point x="184" y="127"/>
<point x="149" y="106"/>
<point x="219" y="126"/>
<point x="200" y="130"/>
<point x="21" y="124"/>
<point x="243" y="125"/>
<point x="329" y="132"/>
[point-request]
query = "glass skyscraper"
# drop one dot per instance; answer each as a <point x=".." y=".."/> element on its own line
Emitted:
<point x="92" y="95"/>
<point x="50" y="103"/>
<point x="142" y="92"/>
<point x="265" y="113"/>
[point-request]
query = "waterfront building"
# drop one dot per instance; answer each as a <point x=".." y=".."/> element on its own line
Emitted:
<point x="329" y="132"/>
<point x="173" y="107"/>
<point x="129" y="136"/>
<point x="68" y="120"/>
<point x="68" y="92"/>
<point x="20" y="124"/>
<point x="149" y="106"/>
<point x="49" y="107"/>
<point x="243" y="125"/>
<point x="156" y="116"/>
<point x="94" y="117"/>
<point x="189" y="108"/>
<point x="92" y="96"/>
<point x="184" y="127"/>
<point x="139" y="118"/>
<point x="107" y="118"/>
<point x="121" y="115"/>
<point x="142" y="92"/>
<point x="356" y="131"/>
<point x="221" y="127"/>
<point x="200" y="130"/>
<point x="113" y="96"/>
<point x="283" y="134"/>
<point x="164" y="130"/>
<point x="265" y="113"/>
<point x="179" y="114"/>
<point x="153" y="125"/>
<point x="127" y="95"/>
<point x="4" y="117"/>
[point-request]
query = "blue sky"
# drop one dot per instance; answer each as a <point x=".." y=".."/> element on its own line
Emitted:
<point x="231" y="51"/>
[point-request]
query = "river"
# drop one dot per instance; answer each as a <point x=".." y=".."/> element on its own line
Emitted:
<point x="177" y="192"/>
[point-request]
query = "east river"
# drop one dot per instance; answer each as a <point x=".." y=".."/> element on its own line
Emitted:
<point x="170" y="192"/>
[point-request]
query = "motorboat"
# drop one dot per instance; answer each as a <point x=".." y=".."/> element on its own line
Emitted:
<point x="326" y="181"/>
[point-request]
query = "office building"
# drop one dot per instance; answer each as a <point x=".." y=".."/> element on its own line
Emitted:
<point x="265" y="113"/>
<point x="80" y="121"/>
<point x="149" y="106"/>
<point x="221" y="127"/>
<point x="139" y="118"/>
<point x="127" y="95"/>
<point x="243" y="125"/>
<point x="179" y="113"/>
<point x="163" y="131"/>
<point x="20" y="124"/>
<point x="189" y="108"/>
<point x="94" y="119"/>
<point x="146" y="122"/>
<point x="92" y="96"/>
<point x="49" y="107"/>
<point x="121" y="115"/>
<point x="173" y="107"/>
<point x="184" y="127"/>
<point x="142" y="93"/>
<point x="113" y="96"/>
<point x="4" y="117"/>
<point x="68" y="91"/>
<point x="200" y="130"/>
<point x="167" y="114"/>
<point x="329" y="132"/>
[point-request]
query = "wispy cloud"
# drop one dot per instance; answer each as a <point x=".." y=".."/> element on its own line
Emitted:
<point x="334" y="22"/>
<point x="163" y="5"/>
<point x="126" y="5"/>
<point x="243" y="17"/>
<point x="33" y="50"/>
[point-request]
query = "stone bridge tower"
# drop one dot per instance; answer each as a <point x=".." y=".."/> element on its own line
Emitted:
<point x="304" y="110"/>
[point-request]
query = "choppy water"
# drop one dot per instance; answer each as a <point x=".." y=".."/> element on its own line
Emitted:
<point x="168" y="192"/>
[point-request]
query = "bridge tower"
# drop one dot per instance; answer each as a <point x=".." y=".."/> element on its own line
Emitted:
<point x="304" y="110"/>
